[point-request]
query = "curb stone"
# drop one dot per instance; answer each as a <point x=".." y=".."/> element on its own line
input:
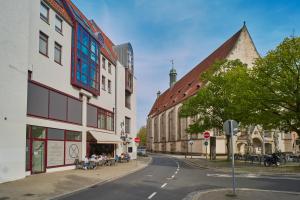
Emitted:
<point x="197" y="194"/>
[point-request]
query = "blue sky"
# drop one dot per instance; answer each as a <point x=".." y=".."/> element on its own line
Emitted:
<point x="186" y="31"/>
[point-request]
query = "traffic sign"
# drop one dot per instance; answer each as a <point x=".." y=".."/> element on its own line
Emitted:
<point x="229" y="126"/>
<point x="137" y="140"/>
<point x="205" y="143"/>
<point x="191" y="142"/>
<point x="206" y="135"/>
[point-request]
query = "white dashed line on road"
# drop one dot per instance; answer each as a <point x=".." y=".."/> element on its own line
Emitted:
<point x="164" y="185"/>
<point x="152" y="195"/>
<point x="173" y="176"/>
<point x="176" y="172"/>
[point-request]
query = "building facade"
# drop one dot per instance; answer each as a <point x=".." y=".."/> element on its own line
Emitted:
<point x="166" y="131"/>
<point x="65" y="90"/>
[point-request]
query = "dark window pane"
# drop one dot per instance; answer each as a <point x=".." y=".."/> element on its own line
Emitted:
<point x="74" y="111"/>
<point x="58" y="106"/>
<point x="127" y="125"/>
<point x="38" y="132"/>
<point x="44" y="12"/>
<point x="55" y="134"/>
<point x="43" y="44"/>
<point x="58" y="24"/>
<point x="37" y="100"/>
<point x="72" y="135"/>
<point x="91" y="116"/>
<point x="57" y="53"/>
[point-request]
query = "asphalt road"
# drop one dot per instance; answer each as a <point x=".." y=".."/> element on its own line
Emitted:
<point x="168" y="178"/>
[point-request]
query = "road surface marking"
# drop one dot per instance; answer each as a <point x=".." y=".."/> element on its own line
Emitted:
<point x="254" y="176"/>
<point x="169" y="178"/>
<point x="149" y="175"/>
<point x="173" y="176"/>
<point x="176" y="172"/>
<point x="152" y="195"/>
<point x="164" y="185"/>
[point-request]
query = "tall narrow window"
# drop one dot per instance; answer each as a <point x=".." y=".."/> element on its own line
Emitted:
<point x="109" y="86"/>
<point x="127" y="125"/>
<point x="109" y="68"/>
<point x="43" y="44"/>
<point x="57" y="53"/>
<point x="103" y="63"/>
<point x="44" y="12"/>
<point x="103" y="83"/>
<point x="58" y="24"/>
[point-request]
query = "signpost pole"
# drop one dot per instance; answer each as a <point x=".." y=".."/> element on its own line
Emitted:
<point x="191" y="149"/>
<point x="206" y="151"/>
<point x="232" y="157"/>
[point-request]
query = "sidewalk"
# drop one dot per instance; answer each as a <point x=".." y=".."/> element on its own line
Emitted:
<point x="243" y="194"/>
<point x="49" y="185"/>
<point x="224" y="166"/>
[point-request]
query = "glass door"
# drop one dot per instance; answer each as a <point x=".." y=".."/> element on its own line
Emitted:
<point x="38" y="156"/>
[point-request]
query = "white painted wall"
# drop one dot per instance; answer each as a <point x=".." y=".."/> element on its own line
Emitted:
<point x="14" y="34"/>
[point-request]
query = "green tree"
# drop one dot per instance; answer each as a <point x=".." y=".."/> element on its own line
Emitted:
<point x="219" y="99"/>
<point x="142" y="134"/>
<point x="276" y="79"/>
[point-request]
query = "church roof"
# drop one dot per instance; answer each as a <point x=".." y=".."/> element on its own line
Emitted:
<point x="189" y="84"/>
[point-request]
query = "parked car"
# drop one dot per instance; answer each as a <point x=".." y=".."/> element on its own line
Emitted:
<point x="141" y="151"/>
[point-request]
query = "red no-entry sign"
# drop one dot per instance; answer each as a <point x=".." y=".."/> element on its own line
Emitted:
<point x="137" y="140"/>
<point x="206" y="135"/>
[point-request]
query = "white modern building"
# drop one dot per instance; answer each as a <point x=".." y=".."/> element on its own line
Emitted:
<point x="66" y="90"/>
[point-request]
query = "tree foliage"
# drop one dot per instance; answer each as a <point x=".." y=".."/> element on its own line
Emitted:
<point x="142" y="134"/>
<point x="267" y="94"/>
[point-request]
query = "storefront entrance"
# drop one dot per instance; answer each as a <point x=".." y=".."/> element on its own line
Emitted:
<point x="101" y="149"/>
<point x="38" y="156"/>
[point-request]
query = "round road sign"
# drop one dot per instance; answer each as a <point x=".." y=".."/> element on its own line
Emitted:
<point x="206" y="135"/>
<point x="137" y="140"/>
<point x="205" y="143"/>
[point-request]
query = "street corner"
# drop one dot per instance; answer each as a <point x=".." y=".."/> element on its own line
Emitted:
<point x="242" y="194"/>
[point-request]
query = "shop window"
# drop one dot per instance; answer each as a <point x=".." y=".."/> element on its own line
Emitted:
<point x="73" y="136"/>
<point x="55" y="134"/>
<point x="57" y="106"/>
<point x="129" y="149"/>
<point x="73" y="151"/>
<point x="37" y="100"/>
<point x="38" y="132"/>
<point x="28" y="148"/>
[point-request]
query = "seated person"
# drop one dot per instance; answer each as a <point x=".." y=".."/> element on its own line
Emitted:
<point x="86" y="163"/>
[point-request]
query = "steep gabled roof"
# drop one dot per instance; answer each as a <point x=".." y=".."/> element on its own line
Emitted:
<point x="107" y="50"/>
<point x="60" y="10"/>
<point x="189" y="84"/>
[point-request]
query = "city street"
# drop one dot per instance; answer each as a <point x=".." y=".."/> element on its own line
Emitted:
<point x="172" y="178"/>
